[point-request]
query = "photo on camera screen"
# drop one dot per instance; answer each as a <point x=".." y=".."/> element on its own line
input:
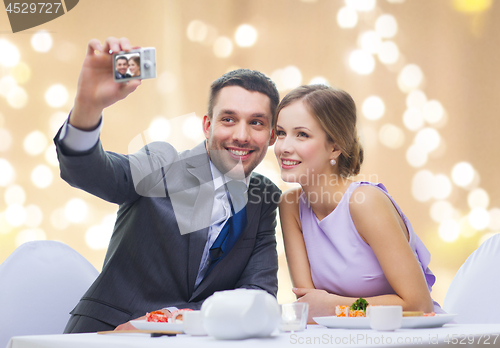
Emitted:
<point x="127" y="66"/>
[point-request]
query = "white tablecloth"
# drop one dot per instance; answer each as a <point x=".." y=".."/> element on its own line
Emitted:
<point x="487" y="335"/>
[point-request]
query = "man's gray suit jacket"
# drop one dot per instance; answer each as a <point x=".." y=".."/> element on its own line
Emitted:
<point x="149" y="263"/>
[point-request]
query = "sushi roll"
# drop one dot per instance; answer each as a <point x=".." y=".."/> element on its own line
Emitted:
<point x="358" y="308"/>
<point x="177" y="315"/>
<point x="342" y="311"/>
<point x="356" y="313"/>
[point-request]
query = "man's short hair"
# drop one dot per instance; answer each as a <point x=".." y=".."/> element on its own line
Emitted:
<point x="251" y="80"/>
<point x="121" y="57"/>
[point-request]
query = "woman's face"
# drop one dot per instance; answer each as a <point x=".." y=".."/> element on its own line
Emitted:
<point x="133" y="67"/>
<point x="302" y="149"/>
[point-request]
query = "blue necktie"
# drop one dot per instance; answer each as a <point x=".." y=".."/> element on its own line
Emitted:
<point x="234" y="226"/>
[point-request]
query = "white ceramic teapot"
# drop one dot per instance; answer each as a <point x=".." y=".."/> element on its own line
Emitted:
<point x="239" y="314"/>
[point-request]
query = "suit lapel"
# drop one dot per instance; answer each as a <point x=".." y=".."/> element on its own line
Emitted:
<point x="197" y="164"/>
<point x="253" y="201"/>
<point x="252" y="208"/>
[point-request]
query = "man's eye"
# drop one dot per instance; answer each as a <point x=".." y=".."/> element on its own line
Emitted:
<point x="257" y="123"/>
<point x="227" y="119"/>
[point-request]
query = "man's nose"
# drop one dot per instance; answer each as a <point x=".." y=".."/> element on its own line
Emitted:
<point x="241" y="132"/>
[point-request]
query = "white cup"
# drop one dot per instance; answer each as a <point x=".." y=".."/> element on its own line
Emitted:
<point x="385" y="318"/>
<point x="193" y="323"/>
<point x="293" y="316"/>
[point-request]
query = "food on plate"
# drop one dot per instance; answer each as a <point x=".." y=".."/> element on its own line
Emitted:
<point x="360" y="304"/>
<point x="177" y="315"/>
<point x="361" y="308"/>
<point x="357" y="313"/>
<point x="160" y="317"/>
<point x="157" y="317"/>
<point x="342" y="311"/>
<point x="357" y="309"/>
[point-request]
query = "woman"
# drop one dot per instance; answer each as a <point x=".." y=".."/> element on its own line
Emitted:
<point x="134" y="65"/>
<point x="343" y="239"/>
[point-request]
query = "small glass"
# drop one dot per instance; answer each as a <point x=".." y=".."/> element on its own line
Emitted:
<point x="293" y="316"/>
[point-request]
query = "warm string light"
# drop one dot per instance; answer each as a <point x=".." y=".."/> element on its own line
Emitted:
<point x="41" y="41"/>
<point x="198" y="31"/>
<point x="246" y="35"/>
<point x="159" y="129"/>
<point x="422" y="117"/>
<point x="21" y="216"/>
<point x="288" y="78"/>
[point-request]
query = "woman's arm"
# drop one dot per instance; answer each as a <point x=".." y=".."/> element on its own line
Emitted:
<point x="380" y="226"/>
<point x="295" y="248"/>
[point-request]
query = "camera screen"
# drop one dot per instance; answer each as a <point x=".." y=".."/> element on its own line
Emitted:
<point x="128" y="65"/>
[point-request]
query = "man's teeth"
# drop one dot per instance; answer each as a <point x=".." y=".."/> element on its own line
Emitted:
<point x="290" y="163"/>
<point x="239" y="153"/>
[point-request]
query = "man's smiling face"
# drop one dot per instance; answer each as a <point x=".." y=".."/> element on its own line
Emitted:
<point x="239" y="132"/>
<point x="122" y="66"/>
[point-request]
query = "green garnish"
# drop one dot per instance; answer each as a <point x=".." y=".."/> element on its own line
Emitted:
<point x="359" y="304"/>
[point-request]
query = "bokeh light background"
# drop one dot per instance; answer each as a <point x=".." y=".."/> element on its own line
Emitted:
<point x="424" y="74"/>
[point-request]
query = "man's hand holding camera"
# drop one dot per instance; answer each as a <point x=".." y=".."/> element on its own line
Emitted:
<point x="97" y="88"/>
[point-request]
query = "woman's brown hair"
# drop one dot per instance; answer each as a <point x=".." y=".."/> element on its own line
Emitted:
<point x="137" y="61"/>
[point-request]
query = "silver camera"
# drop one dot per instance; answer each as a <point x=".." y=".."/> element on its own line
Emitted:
<point x="134" y="64"/>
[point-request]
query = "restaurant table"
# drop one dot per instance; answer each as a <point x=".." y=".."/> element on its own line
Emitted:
<point x="465" y="335"/>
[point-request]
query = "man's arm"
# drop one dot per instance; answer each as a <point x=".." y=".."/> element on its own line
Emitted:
<point x="89" y="167"/>
<point x="96" y="87"/>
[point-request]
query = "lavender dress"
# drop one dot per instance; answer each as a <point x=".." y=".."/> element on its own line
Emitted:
<point x="341" y="262"/>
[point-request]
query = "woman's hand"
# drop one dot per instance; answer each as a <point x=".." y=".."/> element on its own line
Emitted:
<point x="96" y="86"/>
<point x="321" y="303"/>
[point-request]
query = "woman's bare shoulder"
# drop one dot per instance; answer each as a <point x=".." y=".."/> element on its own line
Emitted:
<point x="290" y="198"/>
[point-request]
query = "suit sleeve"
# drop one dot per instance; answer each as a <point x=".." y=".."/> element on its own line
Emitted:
<point x="261" y="271"/>
<point x="114" y="177"/>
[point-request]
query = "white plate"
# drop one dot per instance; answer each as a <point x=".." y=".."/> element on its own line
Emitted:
<point x="343" y="322"/>
<point x="364" y="323"/>
<point x="149" y="325"/>
<point x="420" y="322"/>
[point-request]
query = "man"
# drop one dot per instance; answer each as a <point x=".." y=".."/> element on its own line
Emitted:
<point x="180" y="233"/>
<point x="121" y="68"/>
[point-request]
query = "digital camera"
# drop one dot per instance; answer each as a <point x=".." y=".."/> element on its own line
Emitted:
<point x="135" y="64"/>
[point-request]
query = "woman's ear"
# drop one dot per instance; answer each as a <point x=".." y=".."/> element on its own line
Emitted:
<point x="336" y="151"/>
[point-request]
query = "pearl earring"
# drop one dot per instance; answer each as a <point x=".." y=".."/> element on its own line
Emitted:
<point x="333" y="162"/>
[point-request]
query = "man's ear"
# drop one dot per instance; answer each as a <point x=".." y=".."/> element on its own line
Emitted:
<point x="206" y="126"/>
<point x="273" y="137"/>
